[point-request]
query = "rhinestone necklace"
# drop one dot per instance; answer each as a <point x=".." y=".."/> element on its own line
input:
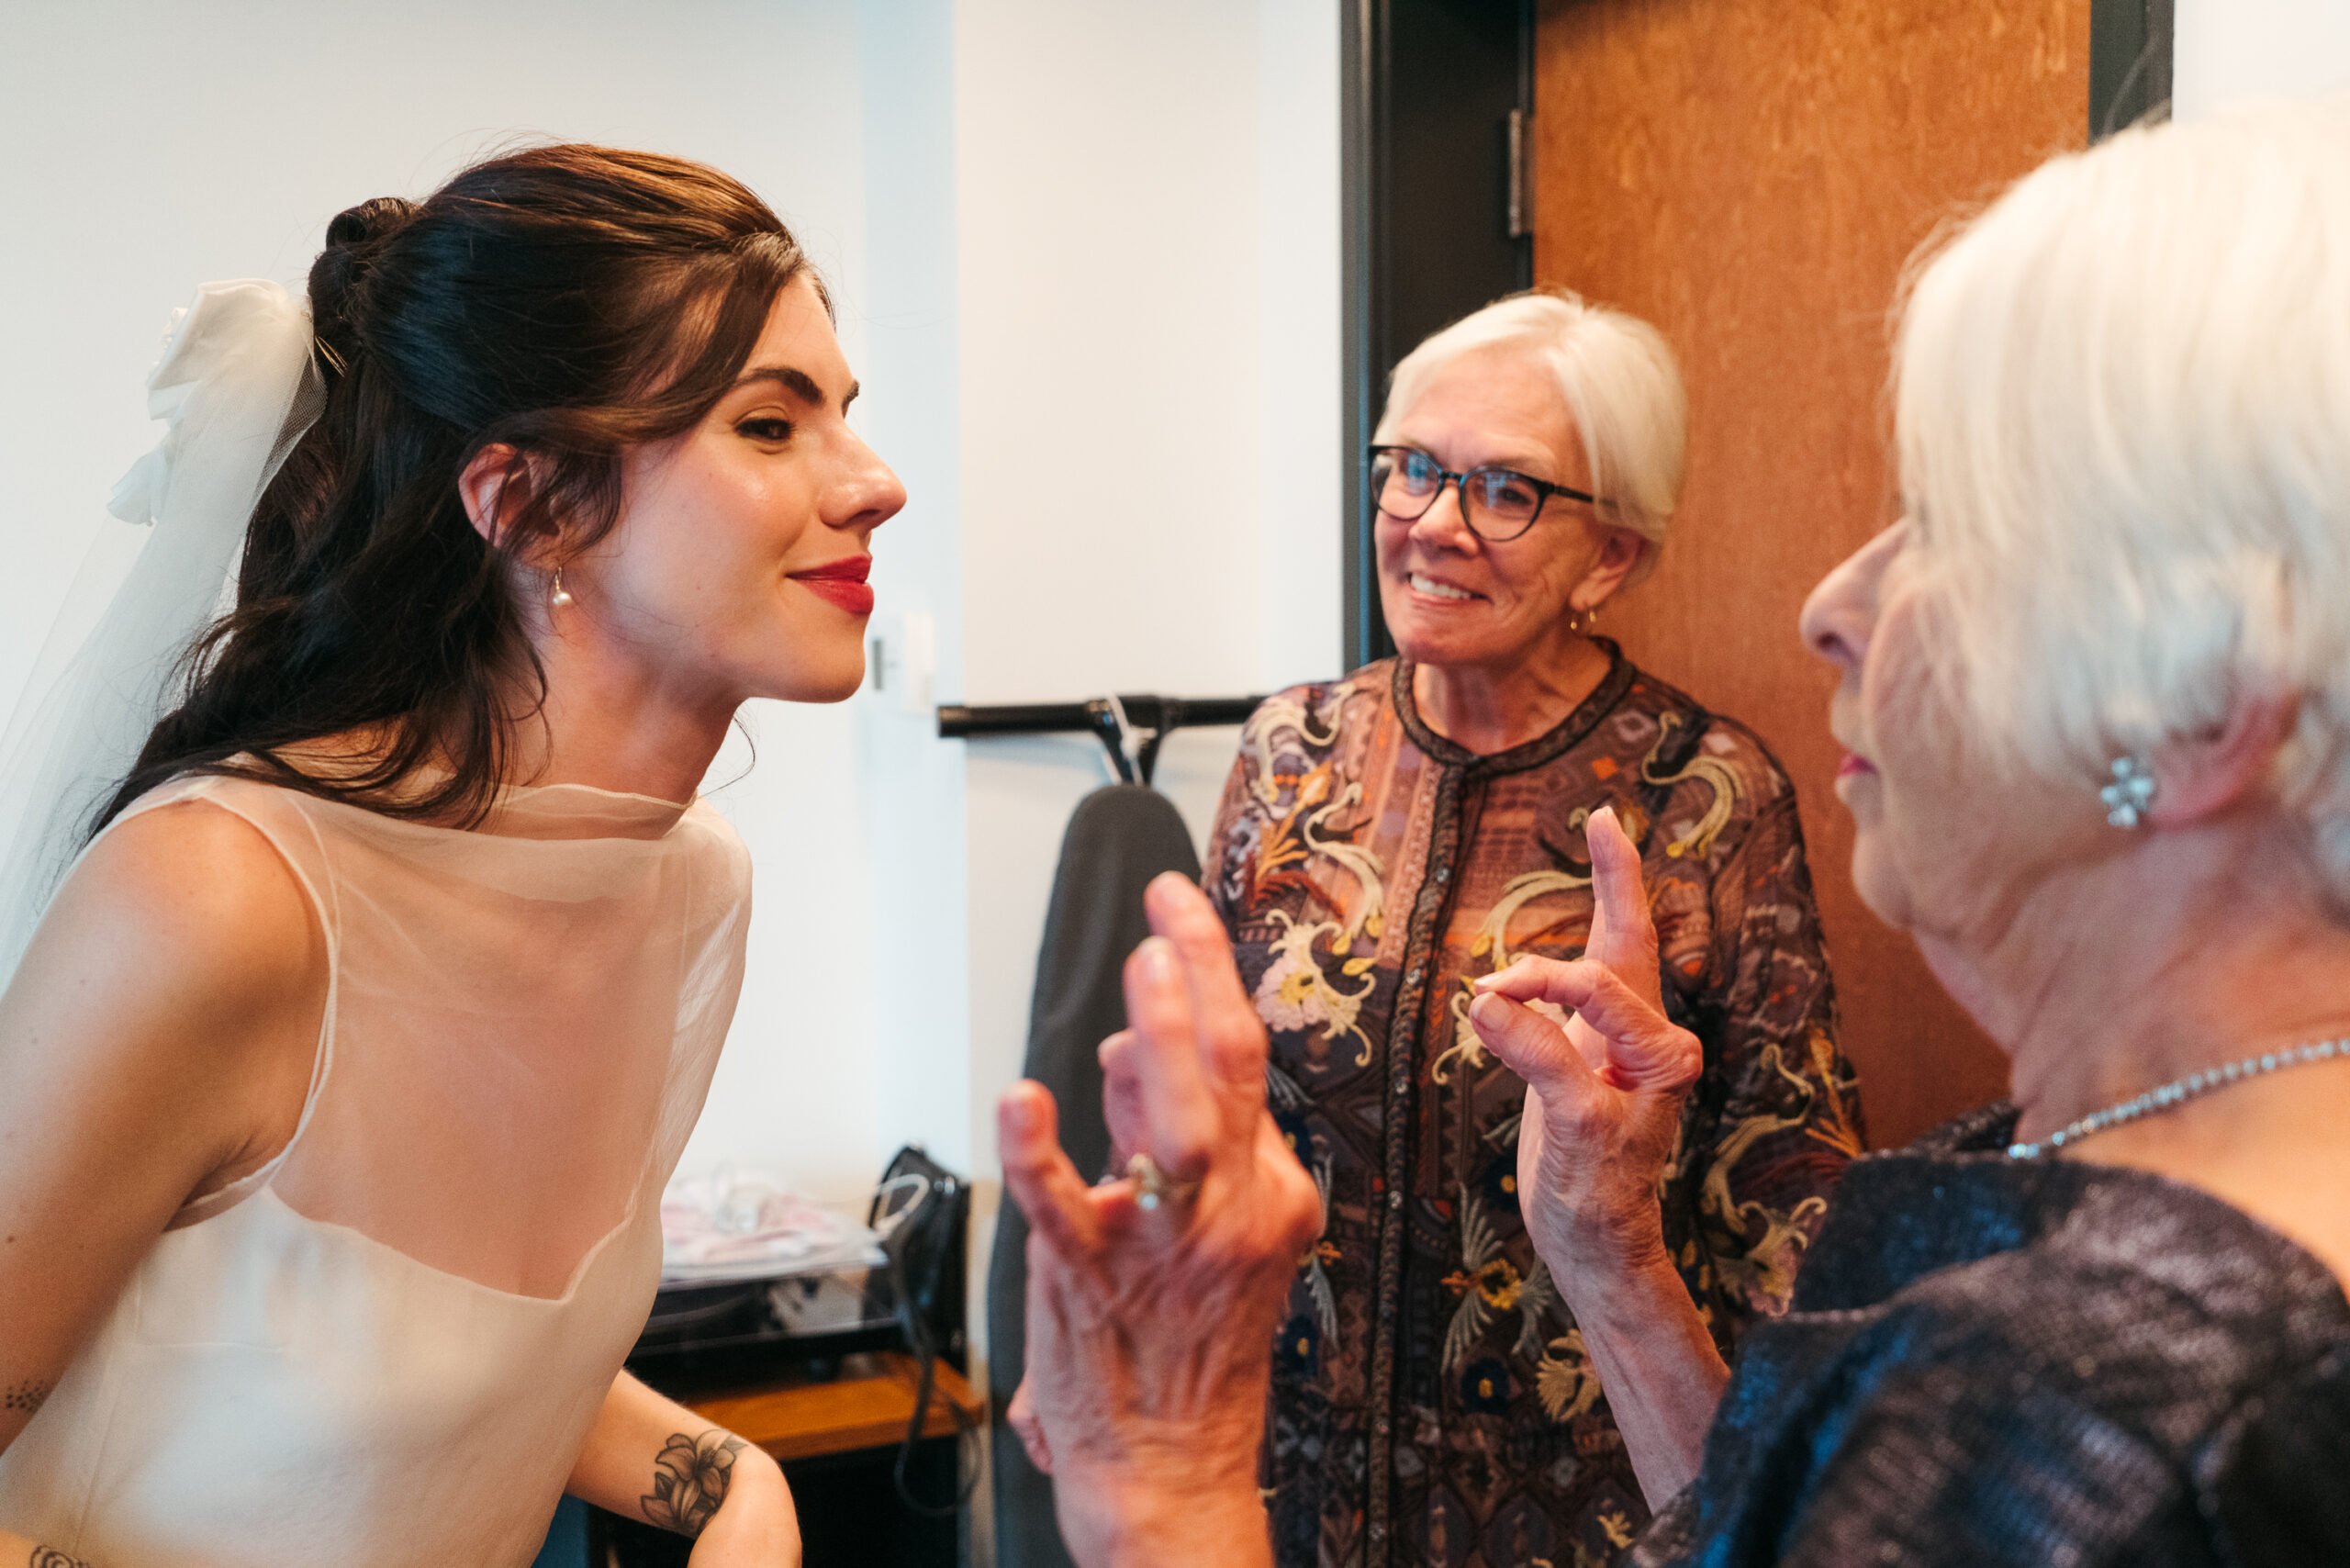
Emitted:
<point x="2178" y="1090"/>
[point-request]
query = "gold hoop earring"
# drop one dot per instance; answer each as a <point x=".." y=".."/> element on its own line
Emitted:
<point x="558" y="596"/>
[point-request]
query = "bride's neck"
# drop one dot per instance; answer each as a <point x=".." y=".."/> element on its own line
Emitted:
<point x="619" y="726"/>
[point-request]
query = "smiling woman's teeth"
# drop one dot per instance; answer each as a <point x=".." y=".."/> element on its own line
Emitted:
<point x="1439" y="590"/>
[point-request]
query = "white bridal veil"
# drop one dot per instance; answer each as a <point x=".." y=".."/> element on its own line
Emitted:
<point x="237" y="386"/>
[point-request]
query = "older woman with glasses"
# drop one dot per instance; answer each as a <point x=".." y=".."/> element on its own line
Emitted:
<point x="1388" y="839"/>
<point x="2096" y="684"/>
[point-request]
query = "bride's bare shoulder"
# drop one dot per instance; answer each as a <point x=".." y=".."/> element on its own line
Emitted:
<point x="184" y="917"/>
<point x="156" y="1042"/>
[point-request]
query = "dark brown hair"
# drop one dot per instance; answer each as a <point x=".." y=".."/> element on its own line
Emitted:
<point x="569" y="301"/>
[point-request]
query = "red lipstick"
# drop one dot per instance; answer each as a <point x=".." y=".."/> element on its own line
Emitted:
<point x="842" y="582"/>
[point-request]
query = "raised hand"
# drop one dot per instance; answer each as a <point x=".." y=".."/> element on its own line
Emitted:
<point x="1603" y="1094"/>
<point x="1602" y="1107"/>
<point x="1150" y="1329"/>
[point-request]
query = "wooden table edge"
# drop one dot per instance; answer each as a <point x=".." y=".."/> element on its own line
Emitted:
<point x="869" y="1406"/>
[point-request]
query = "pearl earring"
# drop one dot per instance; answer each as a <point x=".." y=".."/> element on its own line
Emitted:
<point x="2132" y="792"/>
<point x="558" y="596"/>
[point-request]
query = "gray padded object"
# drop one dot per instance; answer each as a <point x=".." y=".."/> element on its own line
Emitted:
<point x="1118" y="839"/>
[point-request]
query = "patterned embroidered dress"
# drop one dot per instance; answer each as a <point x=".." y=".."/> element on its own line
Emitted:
<point x="1432" y="1402"/>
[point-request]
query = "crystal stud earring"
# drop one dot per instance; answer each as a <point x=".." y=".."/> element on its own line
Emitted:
<point x="2132" y="792"/>
<point x="558" y="595"/>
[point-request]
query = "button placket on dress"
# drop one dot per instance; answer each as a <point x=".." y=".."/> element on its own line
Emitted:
<point x="1397" y="1133"/>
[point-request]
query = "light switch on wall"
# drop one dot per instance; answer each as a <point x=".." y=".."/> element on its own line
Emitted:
<point x="902" y="660"/>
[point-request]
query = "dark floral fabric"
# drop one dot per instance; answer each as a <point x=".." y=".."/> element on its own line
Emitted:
<point x="2013" y="1364"/>
<point x="1432" y="1402"/>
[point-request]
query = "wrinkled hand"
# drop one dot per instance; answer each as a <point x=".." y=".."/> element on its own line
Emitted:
<point x="1603" y="1095"/>
<point x="1150" y="1332"/>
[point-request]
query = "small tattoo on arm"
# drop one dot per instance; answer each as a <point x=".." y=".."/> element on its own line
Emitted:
<point x="24" y="1398"/>
<point x="50" y="1557"/>
<point x="689" y="1481"/>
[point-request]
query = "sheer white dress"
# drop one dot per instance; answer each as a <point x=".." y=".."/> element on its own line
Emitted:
<point x="384" y="1350"/>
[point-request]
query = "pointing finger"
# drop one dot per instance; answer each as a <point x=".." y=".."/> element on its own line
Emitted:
<point x="1646" y="1050"/>
<point x="1554" y="980"/>
<point x="1058" y="1204"/>
<point x="1623" y="935"/>
<point x="1231" y="1034"/>
<point x="1530" y="1046"/>
<point x="1184" y="1121"/>
<point x="1122" y="1098"/>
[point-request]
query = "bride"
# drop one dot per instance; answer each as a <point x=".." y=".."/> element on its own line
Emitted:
<point x="340" y="1077"/>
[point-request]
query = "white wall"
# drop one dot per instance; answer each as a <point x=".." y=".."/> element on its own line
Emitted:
<point x="1086" y="259"/>
<point x="1148" y="358"/>
<point x="2241" y="48"/>
<point x="1148" y="253"/>
<point x="919" y="948"/>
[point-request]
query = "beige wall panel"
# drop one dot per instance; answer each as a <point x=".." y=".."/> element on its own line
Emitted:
<point x="1750" y="175"/>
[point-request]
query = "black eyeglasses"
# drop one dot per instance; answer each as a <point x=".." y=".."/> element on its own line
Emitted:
<point x="1498" y="504"/>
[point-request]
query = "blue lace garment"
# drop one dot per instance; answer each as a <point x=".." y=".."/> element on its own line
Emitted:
<point x="1992" y="1362"/>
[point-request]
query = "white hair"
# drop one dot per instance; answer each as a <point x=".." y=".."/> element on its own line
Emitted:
<point x="1621" y="384"/>
<point x="2122" y="411"/>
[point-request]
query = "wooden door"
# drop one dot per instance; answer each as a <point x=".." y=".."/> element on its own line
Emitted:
<point x="1750" y="175"/>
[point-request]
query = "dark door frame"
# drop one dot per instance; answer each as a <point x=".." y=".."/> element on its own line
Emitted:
<point x="2132" y="45"/>
<point x="1427" y="171"/>
<point x="1428" y="146"/>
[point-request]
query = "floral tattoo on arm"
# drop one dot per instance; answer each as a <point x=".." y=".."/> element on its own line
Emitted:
<point x="689" y="1481"/>
<point x="50" y="1557"/>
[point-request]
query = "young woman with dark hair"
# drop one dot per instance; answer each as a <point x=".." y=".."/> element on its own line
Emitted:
<point x="340" y="1077"/>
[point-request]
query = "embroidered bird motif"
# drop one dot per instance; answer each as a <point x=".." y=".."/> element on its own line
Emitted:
<point x="1491" y="1288"/>
<point x="1564" y="1380"/>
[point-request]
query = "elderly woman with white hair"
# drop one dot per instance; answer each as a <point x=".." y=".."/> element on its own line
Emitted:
<point x="1387" y="840"/>
<point x="2096" y="685"/>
